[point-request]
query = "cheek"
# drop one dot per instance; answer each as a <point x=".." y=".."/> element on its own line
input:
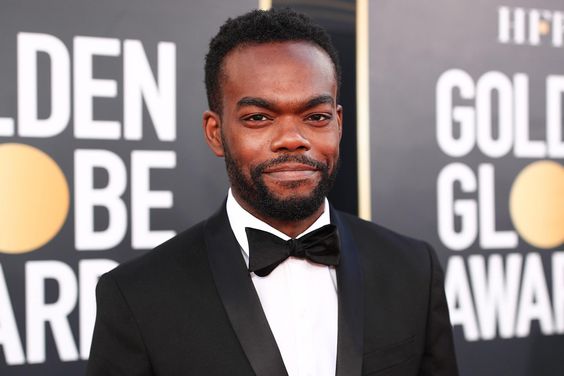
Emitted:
<point x="247" y="154"/>
<point x="329" y="148"/>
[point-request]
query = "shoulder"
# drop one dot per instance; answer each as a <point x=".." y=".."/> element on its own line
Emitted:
<point x="366" y="231"/>
<point x="183" y="251"/>
<point x="377" y="244"/>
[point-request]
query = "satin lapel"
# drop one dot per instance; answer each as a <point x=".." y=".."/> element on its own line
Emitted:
<point x="240" y="298"/>
<point x="351" y="307"/>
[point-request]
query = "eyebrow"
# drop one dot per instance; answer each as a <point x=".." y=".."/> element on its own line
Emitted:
<point x="263" y="103"/>
<point x="316" y="101"/>
<point x="257" y="102"/>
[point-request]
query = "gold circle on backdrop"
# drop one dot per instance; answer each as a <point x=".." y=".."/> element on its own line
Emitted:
<point x="536" y="204"/>
<point x="544" y="27"/>
<point x="34" y="198"/>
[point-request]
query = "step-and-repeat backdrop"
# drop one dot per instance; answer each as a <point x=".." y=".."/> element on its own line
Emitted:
<point x="467" y="152"/>
<point x="101" y="157"/>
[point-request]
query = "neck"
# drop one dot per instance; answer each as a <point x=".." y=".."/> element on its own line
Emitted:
<point x="290" y="228"/>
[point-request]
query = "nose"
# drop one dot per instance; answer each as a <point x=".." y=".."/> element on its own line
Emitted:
<point x="289" y="136"/>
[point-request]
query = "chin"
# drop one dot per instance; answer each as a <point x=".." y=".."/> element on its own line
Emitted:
<point x="292" y="196"/>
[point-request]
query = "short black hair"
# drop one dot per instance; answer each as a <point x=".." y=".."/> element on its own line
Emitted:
<point x="257" y="27"/>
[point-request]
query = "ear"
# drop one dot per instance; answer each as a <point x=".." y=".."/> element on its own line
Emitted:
<point x="211" y="123"/>
<point x="340" y="120"/>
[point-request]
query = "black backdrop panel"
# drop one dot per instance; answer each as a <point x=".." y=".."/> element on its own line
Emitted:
<point x="467" y="153"/>
<point x="101" y="157"/>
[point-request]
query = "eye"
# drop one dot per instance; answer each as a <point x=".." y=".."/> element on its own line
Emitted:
<point x="319" y="119"/>
<point x="255" y="118"/>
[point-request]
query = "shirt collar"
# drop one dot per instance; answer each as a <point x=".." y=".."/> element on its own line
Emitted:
<point x="239" y="218"/>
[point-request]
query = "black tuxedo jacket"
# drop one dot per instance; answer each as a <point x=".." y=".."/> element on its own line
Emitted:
<point x="189" y="307"/>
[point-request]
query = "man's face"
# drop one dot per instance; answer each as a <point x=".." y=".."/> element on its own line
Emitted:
<point x="280" y="127"/>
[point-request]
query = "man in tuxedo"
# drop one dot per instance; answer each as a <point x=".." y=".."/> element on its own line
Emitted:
<point x="276" y="282"/>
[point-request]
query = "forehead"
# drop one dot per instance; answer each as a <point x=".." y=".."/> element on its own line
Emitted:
<point x="271" y="69"/>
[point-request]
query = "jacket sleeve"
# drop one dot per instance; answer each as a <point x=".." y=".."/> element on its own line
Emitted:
<point x="117" y="345"/>
<point x="439" y="358"/>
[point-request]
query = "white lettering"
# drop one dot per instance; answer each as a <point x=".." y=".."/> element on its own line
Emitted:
<point x="86" y="88"/>
<point x="109" y="197"/>
<point x="554" y="133"/>
<point x="9" y="336"/>
<point x="535" y="301"/>
<point x="39" y="313"/>
<point x="459" y="298"/>
<point x="465" y="115"/>
<point x="557" y="28"/>
<point x="89" y="272"/>
<point x="29" y="124"/>
<point x="487" y="84"/>
<point x="558" y="290"/>
<point x="506" y="25"/>
<point x="6" y="127"/>
<point x="448" y="207"/>
<point x="143" y="199"/>
<point x="524" y="147"/>
<point x="140" y="84"/>
<point x="496" y="293"/>
<point x="490" y="238"/>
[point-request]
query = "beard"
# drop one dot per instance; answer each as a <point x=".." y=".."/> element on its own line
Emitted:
<point x="255" y="192"/>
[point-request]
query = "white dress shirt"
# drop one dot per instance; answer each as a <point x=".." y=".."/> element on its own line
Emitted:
<point x="299" y="299"/>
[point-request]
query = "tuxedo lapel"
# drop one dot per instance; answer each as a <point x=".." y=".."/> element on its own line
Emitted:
<point x="240" y="299"/>
<point x="245" y="312"/>
<point x="351" y="308"/>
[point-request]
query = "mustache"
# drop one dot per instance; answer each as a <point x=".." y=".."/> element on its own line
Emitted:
<point x="285" y="158"/>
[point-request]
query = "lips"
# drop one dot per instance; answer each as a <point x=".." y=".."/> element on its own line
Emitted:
<point x="290" y="171"/>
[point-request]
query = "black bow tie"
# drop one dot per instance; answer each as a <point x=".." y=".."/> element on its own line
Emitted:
<point x="267" y="251"/>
